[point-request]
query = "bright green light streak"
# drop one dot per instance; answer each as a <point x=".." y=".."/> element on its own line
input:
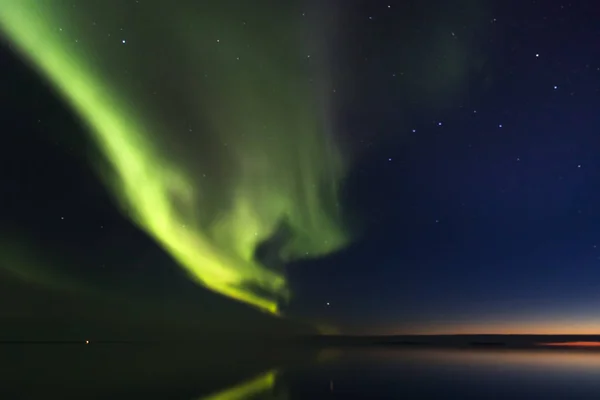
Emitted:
<point x="280" y="169"/>
<point x="247" y="389"/>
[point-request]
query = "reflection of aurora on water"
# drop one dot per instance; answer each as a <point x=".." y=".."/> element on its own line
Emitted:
<point x="265" y="384"/>
<point x="249" y="389"/>
<point x="213" y="138"/>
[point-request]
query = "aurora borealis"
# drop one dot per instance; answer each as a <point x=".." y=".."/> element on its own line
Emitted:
<point x="401" y="167"/>
<point x="238" y="199"/>
<point x="217" y="137"/>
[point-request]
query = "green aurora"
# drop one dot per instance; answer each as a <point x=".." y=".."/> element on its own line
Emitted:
<point x="214" y="125"/>
<point x="247" y="389"/>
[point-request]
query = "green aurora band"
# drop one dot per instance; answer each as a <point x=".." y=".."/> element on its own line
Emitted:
<point x="247" y="389"/>
<point x="212" y="134"/>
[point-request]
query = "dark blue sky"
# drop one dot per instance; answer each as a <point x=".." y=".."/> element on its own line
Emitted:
<point x="491" y="217"/>
<point x="474" y="186"/>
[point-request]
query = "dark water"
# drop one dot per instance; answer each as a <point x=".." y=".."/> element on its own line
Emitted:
<point x="460" y="374"/>
<point x="186" y="372"/>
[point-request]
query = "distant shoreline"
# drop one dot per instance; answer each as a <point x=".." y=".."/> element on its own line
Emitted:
<point x="453" y="341"/>
<point x="465" y="341"/>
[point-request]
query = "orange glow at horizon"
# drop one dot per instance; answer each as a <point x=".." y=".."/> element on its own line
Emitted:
<point x="560" y="359"/>
<point x="571" y="344"/>
<point x="509" y="328"/>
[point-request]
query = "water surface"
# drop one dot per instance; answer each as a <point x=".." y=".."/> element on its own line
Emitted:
<point x="452" y="373"/>
<point x="301" y="372"/>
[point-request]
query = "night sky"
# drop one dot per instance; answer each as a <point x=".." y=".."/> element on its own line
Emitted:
<point x="470" y="194"/>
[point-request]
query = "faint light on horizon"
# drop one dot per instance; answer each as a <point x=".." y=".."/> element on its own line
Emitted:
<point x="571" y="344"/>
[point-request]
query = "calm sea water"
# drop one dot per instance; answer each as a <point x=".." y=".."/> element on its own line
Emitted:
<point x="456" y="374"/>
<point x="125" y="372"/>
